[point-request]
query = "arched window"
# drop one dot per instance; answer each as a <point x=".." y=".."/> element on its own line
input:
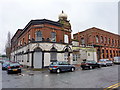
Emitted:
<point x="37" y="49"/>
<point x="97" y="39"/>
<point x="82" y="41"/>
<point x="89" y="39"/>
<point x="108" y="40"/>
<point x="53" y="54"/>
<point x="113" y="41"/>
<point x="103" y="53"/>
<point x="110" y="53"/>
<point x="107" y="55"/>
<point x="102" y="39"/>
<point x="105" y="40"/>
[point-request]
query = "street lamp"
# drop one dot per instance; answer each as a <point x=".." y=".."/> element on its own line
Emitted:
<point x="93" y="50"/>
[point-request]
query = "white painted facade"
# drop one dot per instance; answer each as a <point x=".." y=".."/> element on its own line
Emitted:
<point x="28" y="57"/>
<point x="75" y="43"/>
<point x="88" y="54"/>
<point x="80" y="53"/>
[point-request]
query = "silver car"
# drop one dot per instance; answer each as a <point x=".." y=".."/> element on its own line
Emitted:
<point x="60" y="66"/>
<point x="105" y="62"/>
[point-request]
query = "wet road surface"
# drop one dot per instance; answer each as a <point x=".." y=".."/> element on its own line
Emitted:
<point x="95" y="78"/>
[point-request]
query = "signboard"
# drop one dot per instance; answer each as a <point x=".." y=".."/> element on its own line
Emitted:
<point x="86" y="49"/>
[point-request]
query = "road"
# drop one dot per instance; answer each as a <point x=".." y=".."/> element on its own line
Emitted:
<point x="95" y="78"/>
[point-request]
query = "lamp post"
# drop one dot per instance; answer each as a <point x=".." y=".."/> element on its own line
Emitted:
<point x="93" y="50"/>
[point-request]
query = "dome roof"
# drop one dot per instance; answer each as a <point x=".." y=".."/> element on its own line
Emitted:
<point x="63" y="15"/>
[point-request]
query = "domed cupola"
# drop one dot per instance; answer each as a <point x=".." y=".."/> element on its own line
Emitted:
<point x="64" y="22"/>
<point x="62" y="16"/>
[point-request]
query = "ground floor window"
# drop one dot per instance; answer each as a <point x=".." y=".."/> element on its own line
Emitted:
<point x="53" y="56"/>
<point x="75" y="57"/>
<point x="107" y="55"/>
<point x="66" y="56"/>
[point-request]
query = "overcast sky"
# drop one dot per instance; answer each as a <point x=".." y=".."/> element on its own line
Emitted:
<point x="83" y="14"/>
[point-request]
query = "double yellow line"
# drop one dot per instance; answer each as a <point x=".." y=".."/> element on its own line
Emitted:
<point x="113" y="86"/>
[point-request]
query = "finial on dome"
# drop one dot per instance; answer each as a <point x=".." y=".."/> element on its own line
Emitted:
<point x="63" y="16"/>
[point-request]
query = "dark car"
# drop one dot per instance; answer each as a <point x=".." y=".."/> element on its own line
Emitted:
<point x="89" y="65"/>
<point x="4" y="65"/>
<point x="14" y="67"/>
<point x="60" y="66"/>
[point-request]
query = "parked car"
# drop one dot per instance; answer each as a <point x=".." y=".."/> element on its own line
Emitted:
<point x="105" y="62"/>
<point x="4" y="65"/>
<point x="60" y="66"/>
<point x="2" y="61"/>
<point x="89" y="65"/>
<point x="14" y="67"/>
<point x="109" y="62"/>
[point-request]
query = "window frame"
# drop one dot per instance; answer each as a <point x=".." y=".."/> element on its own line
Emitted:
<point x="53" y="36"/>
<point x="38" y="35"/>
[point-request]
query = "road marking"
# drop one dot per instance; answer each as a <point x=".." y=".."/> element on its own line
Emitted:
<point x="112" y="86"/>
<point x="116" y="86"/>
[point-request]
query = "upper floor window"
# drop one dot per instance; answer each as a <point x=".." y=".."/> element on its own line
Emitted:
<point x="97" y="39"/>
<point x="38" y="36"/>
<point x="101" y="39"/>
<point x="82" y="41"/>
<point x="105" y="40"/>
<point x="113" y="41"/>
<point x="24" y="41"/>
<point x="66" y="38"/>
<point x="108" y="40"/>
<point x="53" y="36"/>
<point x="117" y="42"/>
<point x="28" y="37"/>
<point x="20" y="42"/>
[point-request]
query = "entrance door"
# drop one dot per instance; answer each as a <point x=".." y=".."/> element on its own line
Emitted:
<point x="37" y="59"/>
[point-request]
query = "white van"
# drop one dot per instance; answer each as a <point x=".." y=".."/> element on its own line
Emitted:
<point x="116" y="60"/>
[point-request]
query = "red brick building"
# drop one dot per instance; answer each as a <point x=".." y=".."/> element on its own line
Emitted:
<point x="106" y="43"/>
<point x="42" y="41"/>
<point x="43" y="26"/>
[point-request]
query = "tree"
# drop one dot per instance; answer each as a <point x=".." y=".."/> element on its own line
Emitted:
<point x="8" y="46"/>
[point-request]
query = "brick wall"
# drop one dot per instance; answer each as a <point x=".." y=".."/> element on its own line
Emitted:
<point x="46" y="29"/>
<point x="103" y="44"/>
